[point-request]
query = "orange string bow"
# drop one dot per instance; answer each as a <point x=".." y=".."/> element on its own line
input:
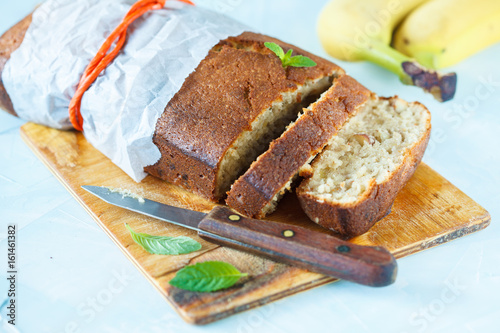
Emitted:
<point x="103" y="59"/>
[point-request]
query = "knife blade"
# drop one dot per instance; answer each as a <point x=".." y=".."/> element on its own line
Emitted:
<point x="290" y="244"/>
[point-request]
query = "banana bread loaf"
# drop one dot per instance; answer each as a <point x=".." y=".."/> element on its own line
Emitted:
<point x="354" y="181"/>
<point x="240" y="98"/>
<point x="229" y="109"/>
<point x="258" y="191"/>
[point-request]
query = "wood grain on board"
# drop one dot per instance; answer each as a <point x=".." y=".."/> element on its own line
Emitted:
<point x="429" y="211"/>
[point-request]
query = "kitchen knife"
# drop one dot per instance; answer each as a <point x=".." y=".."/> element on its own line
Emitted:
<point x="290" y="244"/>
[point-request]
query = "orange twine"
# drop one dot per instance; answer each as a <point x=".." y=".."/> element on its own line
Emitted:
<point x="103" y="59"/>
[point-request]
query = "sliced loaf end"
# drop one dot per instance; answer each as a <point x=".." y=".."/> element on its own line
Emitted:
<point x="229" y="109"/>
<point x="354" y="181"/>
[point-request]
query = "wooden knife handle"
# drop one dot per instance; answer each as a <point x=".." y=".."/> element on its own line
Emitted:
<point x="297" y="246"/>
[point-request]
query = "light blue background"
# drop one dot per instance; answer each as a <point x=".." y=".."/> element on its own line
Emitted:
<point x="66" y="260"/>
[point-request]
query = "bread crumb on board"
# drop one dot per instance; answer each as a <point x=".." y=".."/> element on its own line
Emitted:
<point x="126" y="193"/>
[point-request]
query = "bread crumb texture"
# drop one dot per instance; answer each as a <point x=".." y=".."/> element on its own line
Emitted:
<point x="367" y="150"/>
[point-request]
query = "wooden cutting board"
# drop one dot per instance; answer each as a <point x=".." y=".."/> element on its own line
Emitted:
<point x="429" y="211"/>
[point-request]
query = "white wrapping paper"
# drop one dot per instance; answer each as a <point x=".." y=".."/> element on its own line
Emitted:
<point x="121" y="108"/>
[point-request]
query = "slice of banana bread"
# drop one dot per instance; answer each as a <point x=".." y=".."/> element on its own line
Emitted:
<point x="354" y="181"/>
<point x="229" y="109"/>
<point x="258" y="191"/>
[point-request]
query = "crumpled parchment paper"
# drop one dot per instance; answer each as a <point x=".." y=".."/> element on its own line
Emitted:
<point x="121" y="108"/>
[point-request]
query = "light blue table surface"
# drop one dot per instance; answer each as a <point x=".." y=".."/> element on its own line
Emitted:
<point x="66" y="262"/>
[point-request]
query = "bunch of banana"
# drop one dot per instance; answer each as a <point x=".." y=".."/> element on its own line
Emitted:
<point x="440" y="33"/>
<point x="356" y="30"/>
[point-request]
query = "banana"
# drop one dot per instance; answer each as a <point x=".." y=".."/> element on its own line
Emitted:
<point x="356" y="30"/>
<point x="345" y="27"/>
<point x="441" y="33"/>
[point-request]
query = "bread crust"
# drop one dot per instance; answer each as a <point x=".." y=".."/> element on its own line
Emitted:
<point x="358" y="217"/>
<point x="230" y="88"/>
<point x="9" y="42"/>
<point x="267" y="176"/>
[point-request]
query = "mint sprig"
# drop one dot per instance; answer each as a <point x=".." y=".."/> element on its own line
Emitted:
<point x="207" y="276"/>
<point x="164" y="244"/>
<point x="287" y="59"/>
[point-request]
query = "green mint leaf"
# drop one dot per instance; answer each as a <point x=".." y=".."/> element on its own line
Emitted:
<point x="287" y="59"/>
<point x="207" y="276"/>
<point x="164" y="244"/>
<point x="301" y="61"/>
<point x="275" y="48"/>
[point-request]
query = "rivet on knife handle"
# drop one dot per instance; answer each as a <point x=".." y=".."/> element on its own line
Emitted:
<point x="297" y="246"/>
